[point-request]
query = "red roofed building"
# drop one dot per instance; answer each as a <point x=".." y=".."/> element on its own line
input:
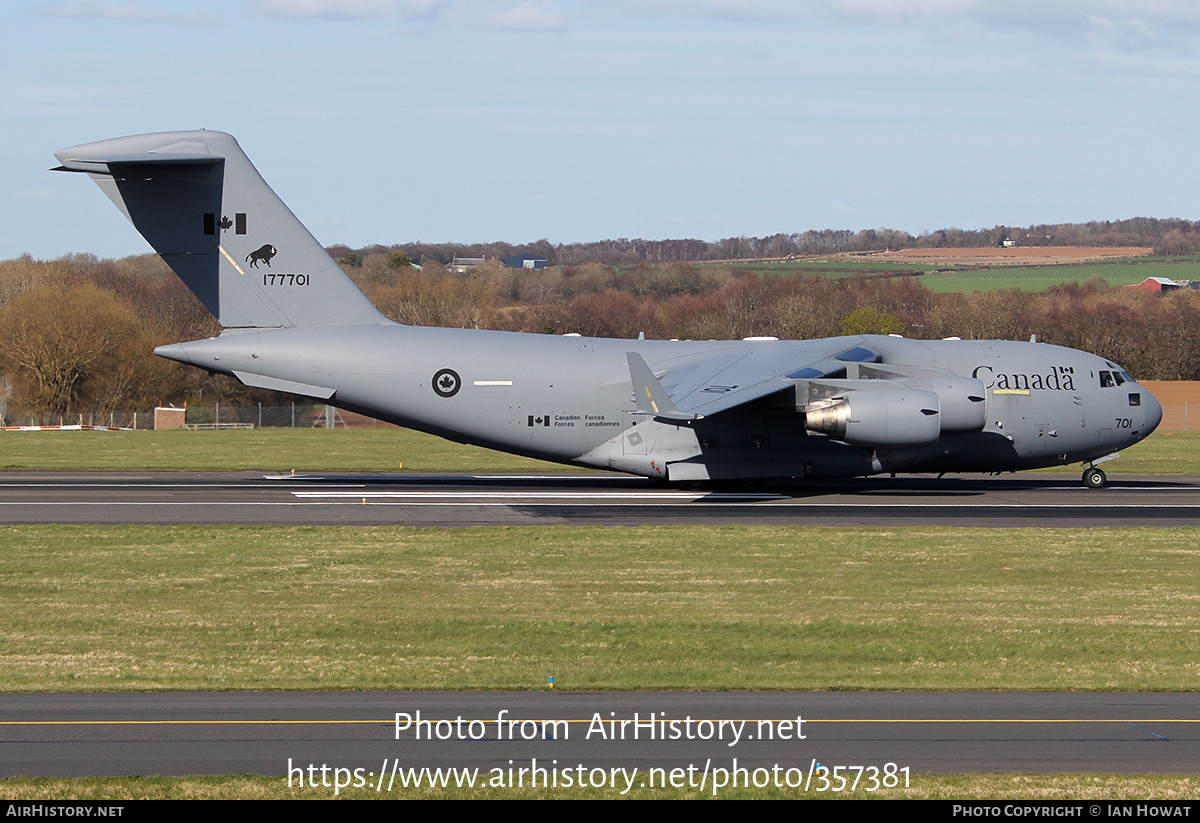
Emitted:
<point x="1156" y="284"/>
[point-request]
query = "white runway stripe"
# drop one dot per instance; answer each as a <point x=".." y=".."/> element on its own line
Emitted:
<point x="531" y="495"/>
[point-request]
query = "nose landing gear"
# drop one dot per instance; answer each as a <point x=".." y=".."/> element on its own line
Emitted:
<point x="1093" y="476"/>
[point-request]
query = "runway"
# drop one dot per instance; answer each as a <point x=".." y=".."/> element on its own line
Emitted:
<point x="697" y="732"/>
<point x="447" y="500"/>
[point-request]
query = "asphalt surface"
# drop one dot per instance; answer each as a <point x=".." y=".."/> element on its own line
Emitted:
<point x="447" y="500"/>
<point x="271" y="733"/>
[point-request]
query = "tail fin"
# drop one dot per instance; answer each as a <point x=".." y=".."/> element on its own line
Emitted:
<point x="201" y="204"/>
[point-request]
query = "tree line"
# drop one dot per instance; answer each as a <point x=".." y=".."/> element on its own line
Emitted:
<point x="77" y="333"/>
<point x="1165" y="236"/>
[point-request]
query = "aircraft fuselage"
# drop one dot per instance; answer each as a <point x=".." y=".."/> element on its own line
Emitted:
<point x="568" y="399"/>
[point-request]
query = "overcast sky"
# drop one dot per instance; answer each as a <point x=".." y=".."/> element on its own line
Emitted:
<point x="385" y="121"/>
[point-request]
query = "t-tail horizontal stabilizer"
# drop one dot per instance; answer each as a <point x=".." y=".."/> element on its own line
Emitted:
<point x="197" y="199"/>
<point x="650" y="396"/>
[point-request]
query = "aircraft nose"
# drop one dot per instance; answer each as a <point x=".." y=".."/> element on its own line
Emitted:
<point x="1154" y="411"/>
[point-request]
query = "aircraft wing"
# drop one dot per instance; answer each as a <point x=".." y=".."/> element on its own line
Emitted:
<point x="699" y="385"/>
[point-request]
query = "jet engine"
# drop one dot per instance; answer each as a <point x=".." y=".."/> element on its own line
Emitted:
<point x="878" y="418"/>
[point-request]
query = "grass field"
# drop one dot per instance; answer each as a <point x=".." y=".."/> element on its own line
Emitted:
<point x="1040" y="278"/>
<point x="381" y="450"/>
<point x="960" y="278"/>
<point x="99" y="608"/>
<point x="272" y="450"/>
<point x="1163" y="452"/>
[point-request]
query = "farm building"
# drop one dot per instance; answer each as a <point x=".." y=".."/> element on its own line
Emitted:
<point x="460" y="264"/>
<point x="525" y="261"/>
<point x="1156" y="284"/>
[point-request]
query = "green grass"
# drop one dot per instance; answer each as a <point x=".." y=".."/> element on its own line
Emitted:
<point x="1043" y="787"/>
<point x="97" y="608"/>
<point x="1163" y="452"/>
<point x="387" y="449"/>
<point x="1039" y="278"/>
<point x="962" y="278"/>
<point x="382" y="450"/>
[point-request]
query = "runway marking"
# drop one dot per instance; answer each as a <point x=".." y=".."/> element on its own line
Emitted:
<point x="174" y="486"/>
<point x="411" y="478"/>
<point x="424" y="495"/>
<point x="592" y="478"/>
<point x="1110" y="487"/>
<point x="355" y="500"/>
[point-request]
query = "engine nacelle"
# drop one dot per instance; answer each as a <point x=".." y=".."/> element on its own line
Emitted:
<point x="878" y="418"/>
<point x="963" y="403"/>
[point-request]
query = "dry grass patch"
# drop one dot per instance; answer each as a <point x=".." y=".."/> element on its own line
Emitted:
<point x="923" y="787"/>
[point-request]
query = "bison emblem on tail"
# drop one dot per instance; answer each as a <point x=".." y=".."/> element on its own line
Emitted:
<point x="261" y="255"/>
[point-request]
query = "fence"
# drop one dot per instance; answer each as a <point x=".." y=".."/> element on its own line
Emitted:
<point x="1176" y="417"/>
<point x="214" y="416"/>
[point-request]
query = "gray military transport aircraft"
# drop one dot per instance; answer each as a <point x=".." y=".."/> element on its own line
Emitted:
<point x="676" y="411"/>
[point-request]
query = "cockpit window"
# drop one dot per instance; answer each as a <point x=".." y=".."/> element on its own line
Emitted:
<point x="1119" y="377"/>
<point x="1135" y="398"/>
<point x="1106" y="380"/>
<point x="1128" y="378"/>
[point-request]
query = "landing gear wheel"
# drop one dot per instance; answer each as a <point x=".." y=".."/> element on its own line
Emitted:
<point x="1094" y="478"/>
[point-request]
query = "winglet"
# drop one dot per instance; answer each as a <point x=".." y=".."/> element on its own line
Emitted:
<point x="650" y="396"/>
